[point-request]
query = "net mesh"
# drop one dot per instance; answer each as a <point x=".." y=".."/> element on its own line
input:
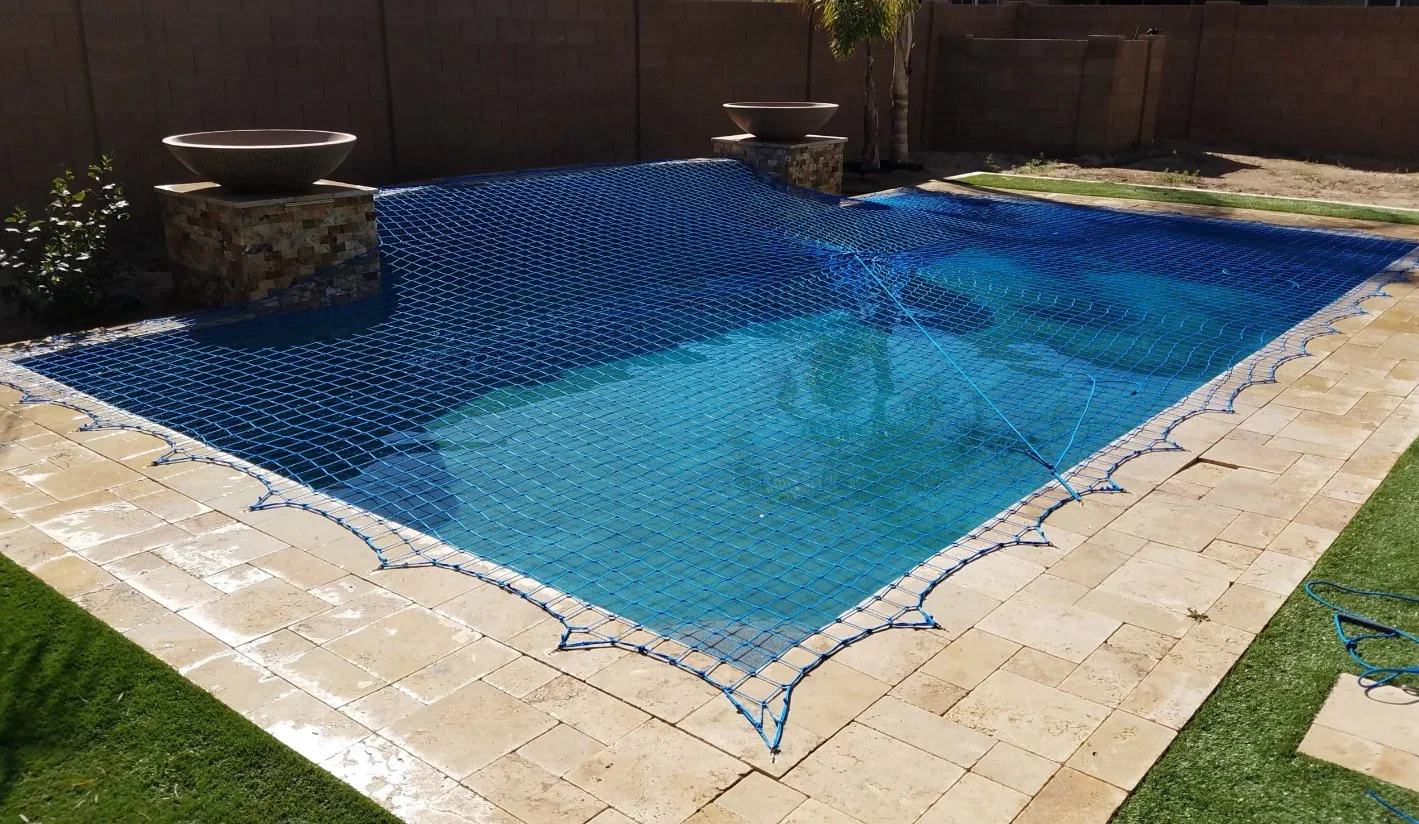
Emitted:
<point x="718" y="420"/>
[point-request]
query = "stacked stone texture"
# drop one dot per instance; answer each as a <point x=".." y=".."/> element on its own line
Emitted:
<point x="228" y="250"/>
<point x="814" y="163"/>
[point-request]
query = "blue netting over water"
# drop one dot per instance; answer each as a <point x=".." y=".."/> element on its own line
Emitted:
<point x="724" y="412"/>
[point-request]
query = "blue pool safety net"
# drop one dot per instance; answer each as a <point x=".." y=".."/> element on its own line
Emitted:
<point x="722" y="421"/>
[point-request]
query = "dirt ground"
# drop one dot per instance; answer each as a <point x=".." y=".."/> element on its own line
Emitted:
<point x="1357" y="180"/>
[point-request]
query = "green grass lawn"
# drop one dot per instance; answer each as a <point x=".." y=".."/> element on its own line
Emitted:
<point x="1129" y="191"/>
<point x="94" y="729"/>
<point x="1236" y="762"/>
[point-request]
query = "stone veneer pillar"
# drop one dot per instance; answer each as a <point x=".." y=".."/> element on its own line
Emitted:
<point x="234" y="248"/>
<point x="814" y="162"/>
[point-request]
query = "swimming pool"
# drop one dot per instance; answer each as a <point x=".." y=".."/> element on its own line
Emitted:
<point x="722" y="410"/>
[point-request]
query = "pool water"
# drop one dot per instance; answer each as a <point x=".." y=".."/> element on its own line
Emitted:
<point x="724" y="410"/>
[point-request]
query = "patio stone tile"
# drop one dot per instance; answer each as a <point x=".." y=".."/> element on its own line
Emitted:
<point x="382" y="707"/>
<point x="278" y="646"/>
<point x="1175" y="688"/>
<point x="346" y="589"/>
<point x="239" y="682"/>
<point x="328" y="677"/>
<point x="494" y="612"/>
<point x="833" y="695"/>
<point x="350" y="553"/>
<point x="257" y="610"/>
<point x="237" y="578"/>
<point x="457" y="669"/>
<point x="521" y="676"/>
<point x="1328" y="513"/>
<point x="1351" y="487"/>
<point x="72" y="576"/>
<point x="349" y="616"/>
<point x="390" y="776"/>
<point x="1043" y="720"/>
<point x="1309" y="475"/>
<point x="541" y="641"/>
<point x="403" y="642"/>
<point x="1164" y="586"/>
<point x="219" y="549"/>
<point x="1276" y="573"/>
<point x="428" y="586"/>
<point x="714" y="814"/>
<point x="531" y="793"/>
<point x="997" y="575"/>
<point x="76" y="479"/>
<point x="1246" y="608"/>
<point x="816" y="812"/>
<point x="1179" y="522"/>
<point x="1122" y="750"/>
<point x="1200" y="432"/>
<point x="468" y="730"/>
<point x="586" y="708"/>
<point x="18" y="497"/>
<point x="300" y="527"/>
<point x="1386" y="715"/>
<point x="307" y="726"/>
<point x="121" y="606"/>
<point x="1333" y="401"/>
<point x="1303" y="541"/>
<point x="1050" y="588"/>
<point x="1272" y="419"/>
<point x="169" y="505"/>
<point x="760" y="800"/>
<point x="1235" y="555"/>
<point x="928" y="692"/>
<point x="1086" y="517"/>
<point x="299" y="568"/>
<point x="1362" y="755"/>
<point x="1153" y="645"/>
<point x="28" y="547"/>
<point x="894" y="654"/>
<point x="206" y="482"/>
<point x="1253" y="529"/>
<point x="976" y="800"/>
<point x="1190" y="561"/>
<point x="1039" y="666"/>
<point x="927" y="731"/>
<point x="873" y="777"/>
<point x="1015" y="768"/>
<point x="1090" y="564"/>
<point x="1059" y="629"/>
<point x="461" y="805"/>
<point x="1234" y="452"/>
<point x="721" y="724"/>
<point x="957" y="609"/>
<point x="91" y="520"/>
<point x="57" y="418"/>
<point x="657" y="774"/>
<point x="611" y="816"/>
<point x="1072" y="797"/>
<point x="120" y="548"/>
<point x="561" y="749"/>
<point x="658" y="688"/>
<point x="1138" y="613"/>
<point x="176" y="641"/>
<point x="1109" y="675"/>
<point x="971" y="658"/>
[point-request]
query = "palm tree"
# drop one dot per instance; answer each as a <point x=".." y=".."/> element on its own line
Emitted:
<point x="852" y="22"/>
<point x="901" y="79"/>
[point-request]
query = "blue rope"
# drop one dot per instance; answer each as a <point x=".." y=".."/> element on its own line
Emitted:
<point x="1388" y="806"/>
<point x="1375" y="675"/>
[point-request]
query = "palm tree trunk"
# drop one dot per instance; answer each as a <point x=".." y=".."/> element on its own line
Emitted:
<point x="871" y="152"/>
<point x="900" y="152"/>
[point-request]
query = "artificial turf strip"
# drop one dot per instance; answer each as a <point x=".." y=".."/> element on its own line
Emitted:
<point x="1130" y="191"/>
<point x="94" y="729"/>
<point x="1236" y="761"/>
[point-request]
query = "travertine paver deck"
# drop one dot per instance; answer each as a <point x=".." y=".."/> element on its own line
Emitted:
<point x="1059" y="673"/>
<point x="1374" y="731"/>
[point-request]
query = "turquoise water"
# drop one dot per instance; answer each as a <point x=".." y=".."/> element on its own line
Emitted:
<point x="723" y="410"/>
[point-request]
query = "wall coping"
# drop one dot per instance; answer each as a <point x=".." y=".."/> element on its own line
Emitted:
<point x="322" y="191"/>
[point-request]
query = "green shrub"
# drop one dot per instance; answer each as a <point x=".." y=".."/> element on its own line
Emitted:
<point x="59" y="266"/>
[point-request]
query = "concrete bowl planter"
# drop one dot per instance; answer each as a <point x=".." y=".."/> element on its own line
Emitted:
<point x="269" y="161"/>
<point x="780" y="120"/>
